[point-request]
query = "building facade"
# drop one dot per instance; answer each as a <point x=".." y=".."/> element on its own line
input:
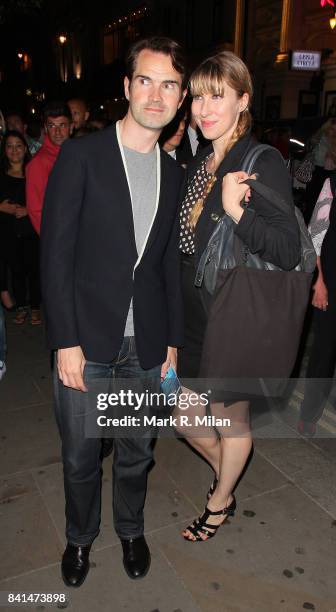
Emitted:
<point x="273" y="30"/>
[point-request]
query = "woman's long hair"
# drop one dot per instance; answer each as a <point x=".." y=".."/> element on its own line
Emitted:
<point x="4" y="161"/>
<point x="211" y="76"/>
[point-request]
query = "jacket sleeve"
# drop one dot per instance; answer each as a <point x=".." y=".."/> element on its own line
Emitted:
<point x="271" y="233"/>
<point x="172" y="272"/>
<point x="35" y="188"/>
<point x="60" y="219"/>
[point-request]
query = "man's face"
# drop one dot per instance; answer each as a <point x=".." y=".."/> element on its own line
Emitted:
<point x="58" y="129"/>
<point x="155" y="92"/>
<point x="79" y="113"/>
<point x="14" y="122"/>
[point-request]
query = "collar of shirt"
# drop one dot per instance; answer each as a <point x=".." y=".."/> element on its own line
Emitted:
<point x="172" y="153"/>
<point x="193" y="137"/>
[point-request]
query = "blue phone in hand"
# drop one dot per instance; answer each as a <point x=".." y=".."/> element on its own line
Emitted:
<point x="171" y="384"/>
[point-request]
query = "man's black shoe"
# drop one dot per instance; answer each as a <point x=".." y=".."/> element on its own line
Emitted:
<point x="137" y="557"/>
<point x="75" y="564"/>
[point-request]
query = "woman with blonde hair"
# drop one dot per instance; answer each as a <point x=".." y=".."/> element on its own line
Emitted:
<point x="221" y="89"/>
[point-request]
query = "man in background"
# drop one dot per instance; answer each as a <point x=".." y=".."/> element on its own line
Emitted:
<point x="79" y="111"/>
<point x="58" y="126"/>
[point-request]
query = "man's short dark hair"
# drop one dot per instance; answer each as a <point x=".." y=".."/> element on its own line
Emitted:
<point x="158" y="44"/>
<point x="56" y="108"/>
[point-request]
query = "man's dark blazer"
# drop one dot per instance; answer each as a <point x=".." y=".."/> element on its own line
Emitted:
<point x="89" y="255"/>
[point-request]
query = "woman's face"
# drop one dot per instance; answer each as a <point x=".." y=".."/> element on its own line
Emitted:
<point x="217" y="115"/>
<point x="15" y="150"/>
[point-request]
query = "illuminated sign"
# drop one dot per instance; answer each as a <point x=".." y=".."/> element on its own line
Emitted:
<point x="306" y="60"/>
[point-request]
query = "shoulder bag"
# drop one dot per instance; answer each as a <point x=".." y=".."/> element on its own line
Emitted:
<point x="256" y="310"/>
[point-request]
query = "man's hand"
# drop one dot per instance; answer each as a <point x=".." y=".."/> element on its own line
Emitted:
<point x="171" y="361"/>
<point x="70" y="364"/>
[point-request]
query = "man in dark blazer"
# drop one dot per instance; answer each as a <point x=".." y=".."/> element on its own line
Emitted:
<point x="111" y="287"/>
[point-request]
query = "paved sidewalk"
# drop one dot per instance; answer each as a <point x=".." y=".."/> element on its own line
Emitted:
<point x="278" y="554"/>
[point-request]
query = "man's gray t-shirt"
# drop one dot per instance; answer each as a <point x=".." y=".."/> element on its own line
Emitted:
<point x="141" y="168"/>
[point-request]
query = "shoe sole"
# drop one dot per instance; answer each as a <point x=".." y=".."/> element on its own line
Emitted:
<point x="79" y="583"/>
<point x="137" y="577"/>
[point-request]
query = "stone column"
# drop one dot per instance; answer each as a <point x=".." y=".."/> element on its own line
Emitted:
<point x="239" y="29"/>
<point x="285" y="35"/>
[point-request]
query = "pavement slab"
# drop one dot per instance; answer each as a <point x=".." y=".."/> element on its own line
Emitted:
<point x="28" y="536"/>
<point x="107" y="586"/>
<point x="269" y="552"/>
<point x="28" y="439"/>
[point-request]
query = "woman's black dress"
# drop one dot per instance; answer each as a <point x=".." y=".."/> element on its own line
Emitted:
<point x="19" y="245"/>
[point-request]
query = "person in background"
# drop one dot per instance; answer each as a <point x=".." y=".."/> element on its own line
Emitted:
<point x="5" y="298"/>
<point x="332" y="109"/>
<point x="171" y="138"/>
<point x="324" y="159"/>
<point x="80" y="113"/>
<point x="194" y="139"/>
<point x="19" y="244"/>
<point x="2" y="125"/>
<point x="97" y="120"/>
<point x="58" y="127"/>
<point x="2" y="343"/>
<point x="16" y="121"/>
<point x="322" y="358"/>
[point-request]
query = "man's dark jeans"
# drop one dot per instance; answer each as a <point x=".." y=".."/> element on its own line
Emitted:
<point x="81" y="456"/>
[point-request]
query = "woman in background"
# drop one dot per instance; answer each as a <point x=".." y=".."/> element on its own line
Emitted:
<point x="19" y="243"/>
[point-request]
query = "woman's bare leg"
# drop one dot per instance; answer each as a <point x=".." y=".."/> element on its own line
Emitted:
<point x="234" y="448"/>
<point x="203" y="439"/>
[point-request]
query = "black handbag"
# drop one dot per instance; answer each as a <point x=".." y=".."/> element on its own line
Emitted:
<point x="256" y="310"/>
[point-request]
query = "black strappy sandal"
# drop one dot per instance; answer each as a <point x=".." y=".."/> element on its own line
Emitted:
<point x="201" y="525"/>
<point x="213" y="488"/>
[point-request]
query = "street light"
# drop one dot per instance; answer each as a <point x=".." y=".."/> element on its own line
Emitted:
<point x="332" y="21"/>
<point x="62" y="39"/>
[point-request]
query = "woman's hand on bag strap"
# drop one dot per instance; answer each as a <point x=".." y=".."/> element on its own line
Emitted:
<point x="234" y="191"/>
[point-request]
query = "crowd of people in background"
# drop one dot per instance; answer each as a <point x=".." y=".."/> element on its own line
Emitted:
<point x="28" y="153"/>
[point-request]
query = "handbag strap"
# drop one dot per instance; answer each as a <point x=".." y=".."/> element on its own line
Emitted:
<point x="269" y="194"/>
<point x="264" y="191"/>
<point x="252" y="155"/>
